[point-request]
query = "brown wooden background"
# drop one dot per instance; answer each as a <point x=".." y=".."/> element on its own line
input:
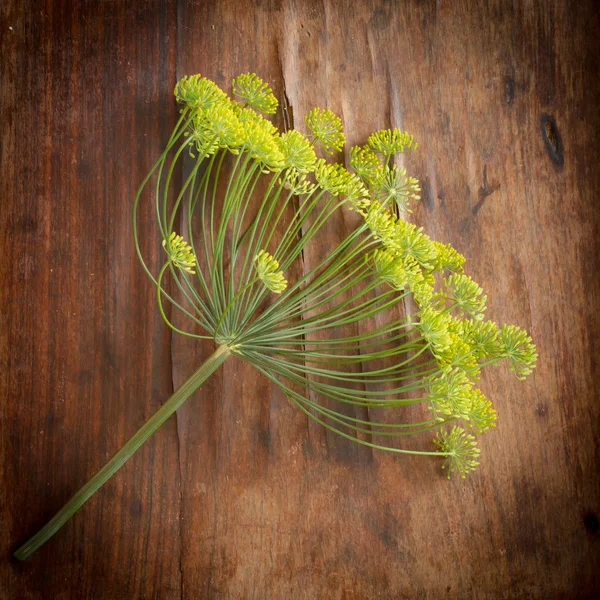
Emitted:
<point x="237" y="497"/>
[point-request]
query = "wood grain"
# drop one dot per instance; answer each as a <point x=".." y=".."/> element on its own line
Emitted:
<point x="238" y="496"/>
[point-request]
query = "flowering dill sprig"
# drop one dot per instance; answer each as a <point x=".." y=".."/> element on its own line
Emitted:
<point x="484" y="338"/>
<point x="460" y="352"/>
<point x="451" y="395"/>
<point x="482" y="415"/>
<point x="409" y="240"/>
<point x="344" y="336"/>
<point x="356" y="194"/>
<point x="433" y="325"/>
<point x="448" y="258"/>
<point x="261" y="146"/>
<point x="389" y="269"/>
<point x="331" y="177"/>
<point x="466" y="295"/>
<point x="297" y="184"/>
<point x="382" y="223"/>
<point x="221" y="124"/>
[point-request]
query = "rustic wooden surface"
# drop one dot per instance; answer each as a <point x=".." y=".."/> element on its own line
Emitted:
<point x="237" y="497"/>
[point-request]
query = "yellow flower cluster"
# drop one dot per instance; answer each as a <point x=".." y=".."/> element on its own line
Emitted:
<point x="297" y="152"/>
<point x="255" y="92"/>
<point x="451" y="303"/>
<point x="460" y="448"/>
<point x="389" y="269"/>
<point x="391" y="141"/>
<point x="394" y="184"/>
<point x="268" y="272"/>
<point x="326" y="127"/>
<point x="180" y="252"/>
<point x="365" y="164"/>
<point x="217" y="121"/>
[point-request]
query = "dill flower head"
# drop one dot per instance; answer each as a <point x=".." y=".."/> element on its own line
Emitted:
<point x="198" y="92"/>
<point x="382" y="223"/>
<point x="391" y="141"/>
<point x="180" y="252"/>
<point x="394" y="184"/>
<point x="356" y="194"/>
<point x="255" y="92"/>
<point x="364" y="163"/>
<point x="297" y="151"/>
<point x="261" y="145"/>
<point x="199" y="137"/>
<point x="326" y="127"/>
<point x="222" y="126"/>
<point x="409" y="240"/>
<point x="268" y="272"/>
<point x="518" y="347"/>
<point x="297" y="183"/>
<point x="459" y="353"/>
<point x="448" y="258"/>
<point x="420" y="284"/>
<point x="389" y="269"/>
<point x="482" y="415"/>
<point x="433" y="325"/>
<point x="451" y="395"/>
<point x="400" y="236"/>
<point x="466" y="295"/>
<point x="248" y="117"/>
<point x="332" y="177"/>
<point x="460" y="449"/>
<point x="484" y="337"/>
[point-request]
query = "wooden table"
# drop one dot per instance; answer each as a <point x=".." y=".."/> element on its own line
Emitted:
<point x="237" y="497"/>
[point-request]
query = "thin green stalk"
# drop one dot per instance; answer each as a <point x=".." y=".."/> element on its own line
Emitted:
<point x="298" y="399"/>
<point x="208" y="367"/>
<point x="159" y="293"/>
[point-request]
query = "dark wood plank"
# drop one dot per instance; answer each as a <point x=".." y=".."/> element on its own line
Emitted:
<point x="84" y="352"/>
<point x="238" y="497"/>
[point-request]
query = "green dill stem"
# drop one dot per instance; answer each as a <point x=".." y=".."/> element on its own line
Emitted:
<point x="209" y="366"/>
<point x="191" y="178"/>
<point x="231" y="303"/>
<point x="163" y="217"/>
<point x="297" y="399"/>
<point x="226" y="208"/>
<point x="253" y="247"/>
<point x="245" y="191"/>
<point x="159" y="293"/>
<point x="319" y="280"/>
<point x="158" y="164"/>
<point x="201" y="308"/>
<point x="207" y="301"/>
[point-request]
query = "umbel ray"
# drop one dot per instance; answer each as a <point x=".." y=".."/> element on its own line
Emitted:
<point x="385" y="320"/>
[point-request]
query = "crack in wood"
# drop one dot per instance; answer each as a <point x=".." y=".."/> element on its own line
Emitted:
<point x="485" y="190"/>
<point x="288" y="109"/>
<point x="552" y="139"/>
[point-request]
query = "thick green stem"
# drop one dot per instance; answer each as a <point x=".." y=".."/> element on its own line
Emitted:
<point x="209" y="366"/>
